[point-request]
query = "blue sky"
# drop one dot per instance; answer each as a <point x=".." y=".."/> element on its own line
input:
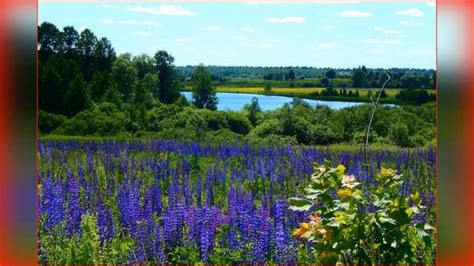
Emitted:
<point x="256" y="34"/>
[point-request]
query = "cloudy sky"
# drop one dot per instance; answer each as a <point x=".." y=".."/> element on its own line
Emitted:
<point x="257" y="34"/>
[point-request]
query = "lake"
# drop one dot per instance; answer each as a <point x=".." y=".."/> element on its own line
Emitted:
<point x="235" y="101"/>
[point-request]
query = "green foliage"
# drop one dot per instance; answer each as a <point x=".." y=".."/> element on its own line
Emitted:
<point x="104" y="120"/>
<point x="268" y="87"/>
<point x="253" y="111"/>
<point x="415" y="96"/>
<point x="400" y="135"/>
<point x="204" y="95"/>
<point x="330" y="74"/>
<point x="238" y="123"/>
<point x="77" y="98"/>
<point x="169" y="84"/>
<point x="49" y="122"/>
<point x="359" y="78"/>
<point x="343" y="229"/>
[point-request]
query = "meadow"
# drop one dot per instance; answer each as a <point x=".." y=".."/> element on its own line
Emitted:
<point x="104" y="201"/>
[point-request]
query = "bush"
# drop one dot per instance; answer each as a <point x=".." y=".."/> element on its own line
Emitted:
<point x="399" y="134"/>
<point x="238" y="123"/>
<point x="49" y="121"/>
<point x="104" y="120"/>
<point x="215" y="120"/>
<point x="362" y="223"/>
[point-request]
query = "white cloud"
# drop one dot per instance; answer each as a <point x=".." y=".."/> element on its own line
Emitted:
<point x="286" y="20"/>
<point x="240" y="38"/>
<point x="184" y="40"/>
<point x="327" y="45"/>
<point x="340" y="36"/>
<point x="107" y="21"/>
<point x="142" y="33"/>
<point x="248" y="29"/>
<point x="266" y="45"/>
<point x="355" y="14"/>
<point x="163" y="9"/>
<point x="409" y="23"/>
<point x="274" y="40"/>
<point x="212" y="28"/>
<point x="431" y="3"/>
<point x="108" y="6"/>
<point x="413" y="12"/>
<point x="380" y="41"/>
<point x="142" y="23"/>
<point x="384" y="30"/>
<point x="188" y="48"/>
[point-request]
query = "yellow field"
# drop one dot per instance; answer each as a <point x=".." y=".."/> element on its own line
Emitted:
<point x="296" y="91"/>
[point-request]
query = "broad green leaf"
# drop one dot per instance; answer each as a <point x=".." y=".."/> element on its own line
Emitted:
<point x="387" y="220"/>
<point x="298" y="204"/>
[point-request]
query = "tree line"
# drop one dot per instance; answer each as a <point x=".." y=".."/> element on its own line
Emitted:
<point x="361" y="77"/>
<point x="77" y="71"/>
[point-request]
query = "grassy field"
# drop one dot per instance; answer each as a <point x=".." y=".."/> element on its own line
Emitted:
<point x="295" y="91"/>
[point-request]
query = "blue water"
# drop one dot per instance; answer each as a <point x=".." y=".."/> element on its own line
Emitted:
<point x="235" y="101"/>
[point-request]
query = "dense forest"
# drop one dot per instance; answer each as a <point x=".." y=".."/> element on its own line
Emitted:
<point x="85" y="88"/>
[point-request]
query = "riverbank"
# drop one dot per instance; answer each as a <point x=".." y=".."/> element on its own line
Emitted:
<point x="313" y="94"/>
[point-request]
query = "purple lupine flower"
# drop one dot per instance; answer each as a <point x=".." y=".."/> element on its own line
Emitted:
<point x="280" y="235"/>
<point x="105" y="223"/>
<point x="261" y="231"/>
<point x="74" y="209"/>
<point x="55" y="207"/>
<point x="156" y="199"/>
<point x="198" y="192"/>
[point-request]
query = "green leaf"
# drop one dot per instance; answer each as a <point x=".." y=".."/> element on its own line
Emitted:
<point x="298" y="204"/>
<point x="387" y="220"/>
<point x="416" y="198"/>
<point x="344" y="193"/>
<point x="428" y="227"/>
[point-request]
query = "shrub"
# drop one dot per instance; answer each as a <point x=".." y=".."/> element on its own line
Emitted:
<point x="362" y="223"/>
<point x="49" y="121"/>
<point x="238" y="123"/>
<point x="104" y="120"/>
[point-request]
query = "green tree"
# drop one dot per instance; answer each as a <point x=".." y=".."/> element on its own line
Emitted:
<point x="400" y="135"/>
<point x="291" y="74"/>
<point x="77" y="97"/>
<point x="325" y="82"/>
<point x="145" y="89"/>
<point x="144" y="64"/>
<point x="330" y="74"/>
<point x="359" y="78"/>
<point x="124" y="76"/>
<point x="49" y="39"/>
<point x="86" y="47"/>
<point x="104" y="55"/>
<point x="70" y="39"/>
<point x="169" y="82"/>
<point x="204" y="95"/>
<point x="253" y="110"/>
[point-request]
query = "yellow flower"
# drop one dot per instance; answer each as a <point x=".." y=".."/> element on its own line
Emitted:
<point x="300" y="232"/>
<point x="387" y="172"/>
<point x="341" y="168"/>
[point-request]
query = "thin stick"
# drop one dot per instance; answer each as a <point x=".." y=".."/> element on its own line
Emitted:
<point x="370" y="122"/>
